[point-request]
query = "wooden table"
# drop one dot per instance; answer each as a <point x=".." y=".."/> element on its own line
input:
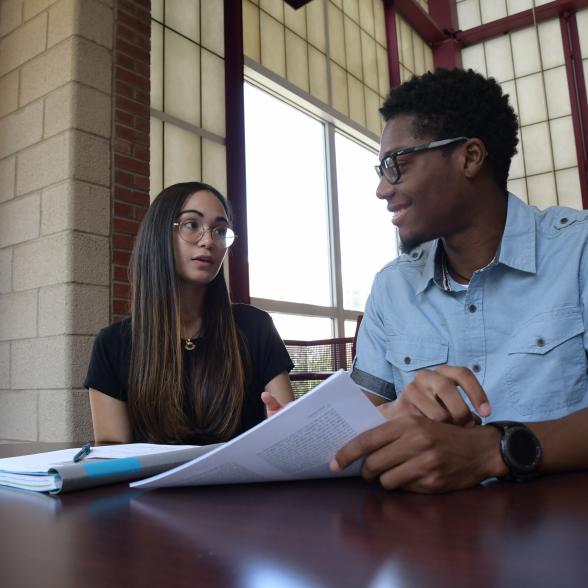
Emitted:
<point x="319" y="534"/>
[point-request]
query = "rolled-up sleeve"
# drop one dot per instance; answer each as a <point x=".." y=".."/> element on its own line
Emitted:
<point x="371" y="370"/>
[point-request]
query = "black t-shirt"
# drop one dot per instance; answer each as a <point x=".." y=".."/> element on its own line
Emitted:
<point x="108" y="371"/>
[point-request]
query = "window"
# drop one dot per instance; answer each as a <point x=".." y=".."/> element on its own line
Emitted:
<point x="317" y="234"/>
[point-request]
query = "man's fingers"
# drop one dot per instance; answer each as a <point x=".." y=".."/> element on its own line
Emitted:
<point x="364" y="444"/>
<point x="464" y="378"/>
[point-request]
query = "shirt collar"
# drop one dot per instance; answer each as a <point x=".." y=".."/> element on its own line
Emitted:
<point x="516" y="249"/>
<point x="517" y="246"/>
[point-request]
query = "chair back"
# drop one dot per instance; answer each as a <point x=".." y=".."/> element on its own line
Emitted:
<point x="315" y="361"/>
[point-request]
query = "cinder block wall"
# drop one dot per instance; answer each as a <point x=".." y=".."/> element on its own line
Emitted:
<point x="55" y="209"/>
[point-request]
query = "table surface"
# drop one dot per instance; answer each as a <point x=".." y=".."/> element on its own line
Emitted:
<point x="316" y="534"/>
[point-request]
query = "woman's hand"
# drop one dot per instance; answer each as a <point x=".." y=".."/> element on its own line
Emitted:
<point x="277" y="394"/>
<point x="272" y="404"/>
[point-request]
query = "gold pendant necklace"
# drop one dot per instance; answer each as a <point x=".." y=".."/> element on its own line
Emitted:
<point x="189" y="345"/>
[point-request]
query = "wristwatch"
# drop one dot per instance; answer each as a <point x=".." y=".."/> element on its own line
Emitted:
<point x="520" y="450"/>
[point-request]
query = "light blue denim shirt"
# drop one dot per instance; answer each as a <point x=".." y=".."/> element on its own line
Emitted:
<point x="520" y="326"/>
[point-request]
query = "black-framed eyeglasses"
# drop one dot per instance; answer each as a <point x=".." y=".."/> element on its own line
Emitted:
<point x="389" y="169"/>
<point x="193" y="230"/>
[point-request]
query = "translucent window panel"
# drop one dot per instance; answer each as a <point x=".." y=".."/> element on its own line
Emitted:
<point x="184" y="17"/>
<point x="156" y="66"/>
<point x="157" y="10"/>
<point x="525" y="51"/>
<point x="514" y="6"/>
<point x="499" y="58"/>
<point x="213" y="93"/>
<point x="213" y="27"/>
<point x="336" y="35"/>
<point x="353" y="48"/>
<point x="517" y="163"/>
<point x="582" y="20"/>
<point x="315" y="25"/>
<point x="536" y="149"/>
<point x="366" y="16"/>
<point x="550" y="41"/>
<point x="491" y="10"/>
<point x="568" y="188"/>
<point x="531" y="96"/>
<point x="383" y="71"/>
<point x="273" y="51"/>
<point x="510" y="90"/>
<point x="417" y="52"/>
<point x="214" y="165"/>
<point x="429" y="59"/>
<point x="182" y="78"/>
<point x="356" y="100"/>
<point x="350" y="328"/>
<point x="351" y="9"/>
<point x="251" y="35"/>
<point x="368" y="238"/>
<point x="181" y="160"/>
<point x="273" y="7"/>
<point x="468" y="14"/>
<point x="407" y="56"/>
<point x="379" y="22"/>
<point x="295" y="20"/>
<point x="558" y="95"/>
<point x="155" y="158"/>
<point x="297" y="60"/>
<point x="286" y="202"/>
<point x="339" y="80"/>
<point x="372" y="104"/>
<point x="541" y="190"/>
<point x="473" y="58"/>
<point x="370" y="64"/>
<point x="302" y="328"/>
<point x="519" y="188"/>
<point x="562" y="140"/>
<point x="317" y="72"/>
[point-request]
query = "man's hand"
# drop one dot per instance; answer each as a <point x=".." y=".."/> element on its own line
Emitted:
<point x="418" y="454"/>
<point x="434" y="394"/>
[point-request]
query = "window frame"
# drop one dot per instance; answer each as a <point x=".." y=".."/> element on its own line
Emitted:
<point x="333" y="122"/>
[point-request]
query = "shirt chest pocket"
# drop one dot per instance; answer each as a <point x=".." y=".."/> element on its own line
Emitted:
<point x="407" y="355"/>
<point x="546" y="364"/>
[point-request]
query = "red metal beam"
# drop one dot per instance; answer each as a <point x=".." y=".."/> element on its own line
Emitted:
<point x="419" y="20"/>
<point x="446" y="53"/>
<point x="577" y="89"/>
<point x="235" y="144"/>
<point x="521" y="20"/>
<point x="392" y="42"/>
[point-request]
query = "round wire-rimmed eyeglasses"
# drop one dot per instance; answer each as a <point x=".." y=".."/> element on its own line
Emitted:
<point x="193" y="230"/>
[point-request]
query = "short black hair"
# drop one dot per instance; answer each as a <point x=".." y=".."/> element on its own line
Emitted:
<point x="451" y="103"/>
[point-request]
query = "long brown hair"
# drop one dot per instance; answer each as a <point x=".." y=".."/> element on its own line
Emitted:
<point x="164" y="405"/>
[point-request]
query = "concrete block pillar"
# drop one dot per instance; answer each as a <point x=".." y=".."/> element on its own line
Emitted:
<point x="55" y="207"/>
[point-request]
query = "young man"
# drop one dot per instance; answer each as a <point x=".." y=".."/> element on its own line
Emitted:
<point x="477" y="334"/>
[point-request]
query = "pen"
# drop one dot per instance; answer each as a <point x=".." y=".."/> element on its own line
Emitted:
<point x="85" y="450"/>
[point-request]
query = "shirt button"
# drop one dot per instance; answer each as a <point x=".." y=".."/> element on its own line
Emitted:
<point x="540" y="342"/>
<point x="563" y="220"/>
<point x="472" y="308"/>
<point x="407" y="360"/>
<point x="476" y="368"/>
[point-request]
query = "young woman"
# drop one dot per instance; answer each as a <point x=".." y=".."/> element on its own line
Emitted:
<point x="187" y="366"/>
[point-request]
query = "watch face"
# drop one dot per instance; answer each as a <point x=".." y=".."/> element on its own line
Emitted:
<point x="523" y="448"/>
